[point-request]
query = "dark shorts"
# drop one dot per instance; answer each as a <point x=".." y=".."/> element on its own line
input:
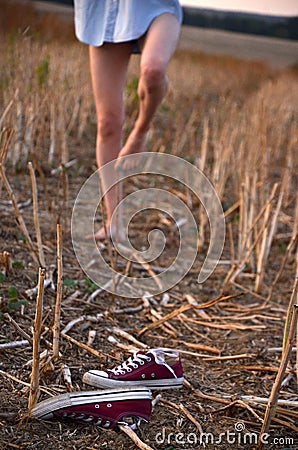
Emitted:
<point x="135" y="47"/>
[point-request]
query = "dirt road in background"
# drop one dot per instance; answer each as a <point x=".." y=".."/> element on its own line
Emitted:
<point x="279" y="53"/>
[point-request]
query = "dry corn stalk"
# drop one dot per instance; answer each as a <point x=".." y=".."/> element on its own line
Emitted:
<point x="34" y="382"/>
<point x="56" y="327"/>
<point x="289" y="336"/>
<point x="36" y="216"/>
<point x="18" y="214"/>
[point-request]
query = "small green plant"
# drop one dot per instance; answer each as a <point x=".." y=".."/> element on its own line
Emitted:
<point x="132" y="89"/>
<point x="90" y="286"/>
<point x="12" y="302"/>
<point x="69" y="283"/>
<point x="12" y="292"/>
<point x="226" y="206"/>
<point x="22" y="238"/>
<point x="237" y="218"/>
<point x="283" y="247"/>
<point x="42" y="71"/>
<point x="18" y="265"/>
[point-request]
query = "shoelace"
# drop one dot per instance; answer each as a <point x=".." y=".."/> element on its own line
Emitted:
<point x="134" y="361"/>
<point x="132" y="422"/>
<point x="139" y="359"/>
<point x="85" y="418"/>
<point x="159" y="358"/>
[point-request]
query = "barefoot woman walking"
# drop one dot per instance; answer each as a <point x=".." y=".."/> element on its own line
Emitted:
<point x="114" y="29"/>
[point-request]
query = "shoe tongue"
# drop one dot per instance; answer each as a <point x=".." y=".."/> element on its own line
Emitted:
<point x="142" y="352"/>
<point x="158" y="355"/>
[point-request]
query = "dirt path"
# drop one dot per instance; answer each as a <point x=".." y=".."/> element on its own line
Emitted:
<point x="279" y="53"/>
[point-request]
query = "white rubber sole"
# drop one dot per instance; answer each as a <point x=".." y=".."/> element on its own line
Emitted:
<point x="46" y="408"/>
<point x="93" y="379"/>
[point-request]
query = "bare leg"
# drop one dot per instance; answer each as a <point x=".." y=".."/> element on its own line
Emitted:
<point x="157" y="48"/>
<point x="108" y="65"/>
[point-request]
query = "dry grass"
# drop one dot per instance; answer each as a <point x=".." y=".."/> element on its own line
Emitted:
<point x="235" y="120"/>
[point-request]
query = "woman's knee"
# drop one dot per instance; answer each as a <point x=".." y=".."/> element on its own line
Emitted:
<point x="109" y="125"/>
<point x="153" y="74"/>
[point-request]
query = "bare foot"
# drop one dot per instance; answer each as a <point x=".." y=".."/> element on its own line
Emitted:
<point x="135" y="143"/>
<point x="102" y="234"/>
<point x="110" y="233"/>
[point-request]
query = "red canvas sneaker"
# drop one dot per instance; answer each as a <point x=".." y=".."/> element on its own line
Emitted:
<point x="158" y="368"/>
<point x="104" y="408"/>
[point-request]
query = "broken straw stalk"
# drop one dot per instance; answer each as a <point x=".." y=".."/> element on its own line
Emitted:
<point x="36" y="216"/>
<point x="57" y="314"/>
<point x="289" y="335"/>
<point x="34" y="382"/>
<point x="20" y="220"/>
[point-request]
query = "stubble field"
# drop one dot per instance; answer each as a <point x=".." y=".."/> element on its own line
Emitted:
<point x="236" y="120"/>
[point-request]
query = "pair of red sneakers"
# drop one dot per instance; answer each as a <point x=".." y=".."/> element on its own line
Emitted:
<point x="126" y="397"/>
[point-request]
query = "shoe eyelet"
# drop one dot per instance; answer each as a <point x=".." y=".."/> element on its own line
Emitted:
<point x="129" y="369"/>
<point x="109" y="405"/>
<point x="96" y="406"/>
<point x="89" y="419"/>
<point x="135" y="366"/>
<point x="142" y="362"/>
<point x="149" y="358"/>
